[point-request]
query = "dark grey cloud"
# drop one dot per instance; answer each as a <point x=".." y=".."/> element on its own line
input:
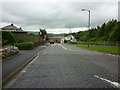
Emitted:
<point x="35" y="15"/>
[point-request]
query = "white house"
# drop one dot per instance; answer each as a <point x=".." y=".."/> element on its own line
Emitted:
<point x="71" y="37"/>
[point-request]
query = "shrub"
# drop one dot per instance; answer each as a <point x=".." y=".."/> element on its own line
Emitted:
<point x="8" y="38"/>
<point x="24" y="45"/>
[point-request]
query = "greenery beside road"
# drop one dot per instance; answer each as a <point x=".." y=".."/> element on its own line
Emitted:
<point x="24" y="45"/>
<point x="8" y="38"/>
<point x="109" y="49"/>
<point x="103" y="38"/>
<point x="22" y="41"/>
<point x="109" y="32"/>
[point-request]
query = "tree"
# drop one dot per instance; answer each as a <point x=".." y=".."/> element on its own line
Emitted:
<point x="42" y="33"/>
<point x="8" y="38"/>
<point x="107" y="32"/>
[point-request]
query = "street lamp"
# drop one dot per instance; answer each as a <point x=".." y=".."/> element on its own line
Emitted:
<point x="88" y="20"/>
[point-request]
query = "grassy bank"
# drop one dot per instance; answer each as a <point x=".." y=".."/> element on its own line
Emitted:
<point x="109" y="49"/>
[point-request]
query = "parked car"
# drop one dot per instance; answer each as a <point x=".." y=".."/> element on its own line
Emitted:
<point x="51" y="42"/>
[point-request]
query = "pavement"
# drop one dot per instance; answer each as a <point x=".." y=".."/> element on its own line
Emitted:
<point x="10" y="64"/>
<point x="67" y="66"/>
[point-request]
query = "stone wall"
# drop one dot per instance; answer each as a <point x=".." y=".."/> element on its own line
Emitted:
<point x="8" y="51"/>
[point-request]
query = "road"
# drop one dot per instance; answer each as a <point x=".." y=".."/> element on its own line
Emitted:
<point x="15" y="61"/>
<point x="67" y="66"/>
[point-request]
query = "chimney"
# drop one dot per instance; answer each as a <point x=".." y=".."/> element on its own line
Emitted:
<point x="12" y="24"/>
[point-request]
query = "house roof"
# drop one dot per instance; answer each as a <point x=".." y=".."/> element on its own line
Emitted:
<point x="11" y="27"/>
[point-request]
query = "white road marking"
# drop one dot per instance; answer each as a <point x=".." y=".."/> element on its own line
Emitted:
<point x="39" y="52"/>
<point x="65" y="48"/>
<point x="113" y="55"/>
<point x="109" y="54"/>
<point x="115" y="84"/>
<point x="79" y="53"/>
<point x="23" y="71"/>
<point x="33" y="60"/>
<point x="98" y="52"/>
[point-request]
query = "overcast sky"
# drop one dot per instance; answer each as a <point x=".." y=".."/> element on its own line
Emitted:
<point x="56" y="16"/>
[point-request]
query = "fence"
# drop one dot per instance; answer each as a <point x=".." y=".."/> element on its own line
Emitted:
<point x="102" y="43"/>
<point x="29" y="38"/>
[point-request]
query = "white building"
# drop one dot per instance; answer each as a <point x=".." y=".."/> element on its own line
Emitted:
<point x="71" y="38"/>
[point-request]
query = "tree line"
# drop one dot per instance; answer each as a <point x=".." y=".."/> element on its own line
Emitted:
<point x="109" y="31"/>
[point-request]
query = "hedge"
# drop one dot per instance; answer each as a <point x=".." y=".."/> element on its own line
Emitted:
<point x="24" y="45"/>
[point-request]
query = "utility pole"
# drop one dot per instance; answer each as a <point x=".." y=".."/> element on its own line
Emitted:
<point x="88" y="23"/>
<point x="70" y="34"/>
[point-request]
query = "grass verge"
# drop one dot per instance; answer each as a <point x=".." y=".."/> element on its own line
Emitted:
<point x="108" y="49"/>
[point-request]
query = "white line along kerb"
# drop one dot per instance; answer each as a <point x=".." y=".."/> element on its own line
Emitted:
<point x="115" y="84"/>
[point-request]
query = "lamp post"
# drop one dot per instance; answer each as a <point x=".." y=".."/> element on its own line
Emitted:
<point x="70" y="32"/>
<point x="88" y="21"/>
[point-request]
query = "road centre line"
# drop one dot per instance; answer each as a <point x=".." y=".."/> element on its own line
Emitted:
<point x="115" y="84"/>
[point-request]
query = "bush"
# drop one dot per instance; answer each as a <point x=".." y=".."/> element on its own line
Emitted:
<point x="24" y="45"/>
<point x="8" y="38"/>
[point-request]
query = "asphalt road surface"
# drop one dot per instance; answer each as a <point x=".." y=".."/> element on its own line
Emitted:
<point x="67" y="66"/>
<point x="15" y="61"/>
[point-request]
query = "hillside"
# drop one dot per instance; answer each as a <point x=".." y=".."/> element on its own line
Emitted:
<point x="109" y="31"/>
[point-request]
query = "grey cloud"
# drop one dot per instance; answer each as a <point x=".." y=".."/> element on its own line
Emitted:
<point x="57" y="15"/>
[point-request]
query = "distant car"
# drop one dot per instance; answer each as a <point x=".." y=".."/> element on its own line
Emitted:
<point x="51" y="42"/>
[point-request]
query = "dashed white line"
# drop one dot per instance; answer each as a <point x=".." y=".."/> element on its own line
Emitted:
<point x="115" y="84"/>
